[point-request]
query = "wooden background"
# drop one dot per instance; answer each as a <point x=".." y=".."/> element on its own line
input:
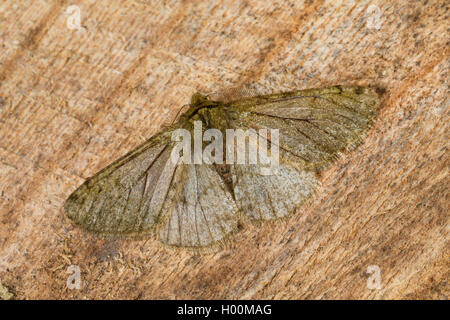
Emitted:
<point x="73" y="100"/>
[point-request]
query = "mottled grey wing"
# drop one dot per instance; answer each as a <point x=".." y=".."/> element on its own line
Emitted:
<point x="315" y="126"/>
<point x="145" y="190"/>
<point x="199" y="209"/>
<point x="267" y="197"/>
<point x="125" y="198"/>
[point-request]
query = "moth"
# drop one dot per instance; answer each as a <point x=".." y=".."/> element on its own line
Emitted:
<point x="201" y="205"/>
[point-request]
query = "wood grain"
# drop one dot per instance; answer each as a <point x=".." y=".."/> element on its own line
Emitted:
<point x="73" y="100"/>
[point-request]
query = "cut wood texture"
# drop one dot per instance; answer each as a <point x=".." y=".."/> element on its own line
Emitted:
<point x="74" y="97"/>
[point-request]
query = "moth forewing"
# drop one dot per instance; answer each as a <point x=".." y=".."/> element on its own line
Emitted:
<point x="113" y="201"/>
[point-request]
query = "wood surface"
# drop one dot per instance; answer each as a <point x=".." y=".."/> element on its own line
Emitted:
<point x="74" y="100"/>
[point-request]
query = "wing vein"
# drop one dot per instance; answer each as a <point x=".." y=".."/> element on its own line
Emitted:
<point x="201" y="208"/>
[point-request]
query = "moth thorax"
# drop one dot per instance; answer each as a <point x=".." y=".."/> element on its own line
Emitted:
<point x="197" y="99"/>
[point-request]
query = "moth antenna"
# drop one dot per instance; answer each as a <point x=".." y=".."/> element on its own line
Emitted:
<point x="178" y="113"/>
<point x="210" y="93"/>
